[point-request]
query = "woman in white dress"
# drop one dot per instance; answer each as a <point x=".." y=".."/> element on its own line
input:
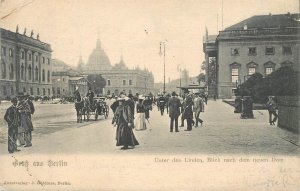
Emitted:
<point x="140" y="122"/>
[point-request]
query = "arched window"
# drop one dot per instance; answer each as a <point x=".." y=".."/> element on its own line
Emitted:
<point x="22" y="71"/>
<point x="3" y="70"/>
<point x="234" y="68"/>
<point x="36" y="73"/>
<point x="108" y="92"/>
<point x="269" y="67"/>
<point x="43" y="75"/>
<point x="11" y="71"/>
<point x="48" y="76"/>
<point x="29" y="72"/>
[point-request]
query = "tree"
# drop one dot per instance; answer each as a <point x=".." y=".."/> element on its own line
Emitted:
<point x="201" y="78"/>
<point x="96" y="83"/>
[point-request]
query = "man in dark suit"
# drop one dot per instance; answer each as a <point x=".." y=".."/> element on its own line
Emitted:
<point x="188" y="111"/>
<point x="174" y="111"/>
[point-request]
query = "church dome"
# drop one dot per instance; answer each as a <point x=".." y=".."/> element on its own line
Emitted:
<point x="98" y="60"/>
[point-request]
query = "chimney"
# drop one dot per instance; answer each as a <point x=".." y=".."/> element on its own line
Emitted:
<point x="245" y="26"/>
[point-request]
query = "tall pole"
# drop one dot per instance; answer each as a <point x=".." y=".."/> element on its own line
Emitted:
<point x="180" y="82"/>
<point x="164" y="67"/>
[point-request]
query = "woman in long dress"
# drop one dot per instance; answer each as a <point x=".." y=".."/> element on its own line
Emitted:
<point x="123" y="119"/>
<point x="140" y="122"/>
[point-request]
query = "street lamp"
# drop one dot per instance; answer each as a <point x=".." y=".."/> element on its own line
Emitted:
<point x="179" y="68"/>
<point x="163" y="45"/>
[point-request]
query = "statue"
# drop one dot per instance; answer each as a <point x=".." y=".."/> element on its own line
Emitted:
<point x="38" y="36"/>
<point x="17" y="29"/>
<point x="31" y="35"/>
<point x="24" y="33"/>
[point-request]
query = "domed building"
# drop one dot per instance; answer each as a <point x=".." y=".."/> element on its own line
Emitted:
<point x="98" y="59"/>
<point x="119" y="78"/>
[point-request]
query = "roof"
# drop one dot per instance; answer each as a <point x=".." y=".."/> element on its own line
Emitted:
<point x="268" y="21"/>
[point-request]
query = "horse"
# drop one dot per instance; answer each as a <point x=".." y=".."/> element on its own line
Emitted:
<point x="86" y="108"/>
<point x="79" y="104"/>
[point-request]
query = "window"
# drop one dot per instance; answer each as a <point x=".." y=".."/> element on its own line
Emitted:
<point x="22" y="55"/>
<point x="234" y="74"/>
<point x="43" y="60"/>
<point x="29" y="56"/>
<point x="130" y="82"/>
<point x="29" y="72"/>
<point x="31" y="91"/>
<point x="44" y="91"/>
<point x="269" y="70"/>
<point x="235" y="52"/>
<point x="4" y="90"/>
<point x="63" y="79"/>
<point x="108" y="82"/>
<point x="48" y="76"/>
<point x="252" y="51"/>
<point x="10" y="53"/>
<point x="22" y="71"/>
<point x="3" y="70"/>
<point x="43" y="75"/>
<point x="38" y="91"/>
<point x="251" y="70"/>
<point x="287" y="50"/>
<point x="58" y="91"/>
<point x="124" y="82"/>
<point x="36" y="58"/>
<point x="48" y="61"/>
<point x="12" y="91"/>
<point x="3" y="51"/>
<point x="48" y="91"/>
<point x="270" y="51"/>
<point x="53" y="91"/>
<point x="36" y="73"/>
<point x="11" y="71"/>
<point x="24" y="89"/>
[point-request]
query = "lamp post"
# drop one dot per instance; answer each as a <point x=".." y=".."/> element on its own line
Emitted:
<point x="163" y="45"/>
<point x="179" y="68"/>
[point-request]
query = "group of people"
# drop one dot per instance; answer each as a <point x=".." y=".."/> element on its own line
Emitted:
<point x="18" y="118"/>
<point x="190" y="108"/>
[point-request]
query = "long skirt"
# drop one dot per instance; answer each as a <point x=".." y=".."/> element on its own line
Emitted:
<point x="125" y="136"/>
<point x="140" y="122"/>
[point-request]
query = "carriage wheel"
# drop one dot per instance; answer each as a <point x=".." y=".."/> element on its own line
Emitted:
<point x="106" y="112"/>
<point x="96" y="114"/>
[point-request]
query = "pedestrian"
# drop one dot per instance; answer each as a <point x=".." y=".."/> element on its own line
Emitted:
<point x="174" y="111"/>
<point x="188" y="111"/>
<point x="198" y="107"/>
<point x="148" y="106"/>
<point x="205" y="98"/>
<point x="131" y="103"/>
<point x="91" y="96"/>
<point x="32" y="109"/>
<point x="162" y="103"/>
<point x="140" y="121"/>
<point x="114" y="105"/>
<point x="13" y="120"/>
<point x="123" y="119"/>
<point x="272" y="107"/>
<point x="182" y="109"/>
<point x="26" y="126"/>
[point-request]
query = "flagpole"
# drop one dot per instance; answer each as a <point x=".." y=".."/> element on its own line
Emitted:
<point x="164" y="67"/>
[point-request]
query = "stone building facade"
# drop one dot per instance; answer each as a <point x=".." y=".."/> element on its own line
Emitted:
<point x="64" y="83"/>
<point x="25" y="64"/>
<point x="119" y="78"/>
<point x="258" y="44"/>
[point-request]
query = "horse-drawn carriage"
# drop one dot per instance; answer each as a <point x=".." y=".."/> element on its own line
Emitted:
<point x="86" y="108"/>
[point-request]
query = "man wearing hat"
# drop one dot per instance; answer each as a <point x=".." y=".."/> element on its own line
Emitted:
<point x="198" y="107"/>
<point x="130" y="103"/>
<point x="272" y="106"/>
<point x="188" y="110"/>
<point x="13" y="120"/>
<point x="174" y="111"/>
<point x="25" y="127"/>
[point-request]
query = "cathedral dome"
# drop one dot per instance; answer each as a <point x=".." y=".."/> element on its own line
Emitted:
<point x="98" y="60"/>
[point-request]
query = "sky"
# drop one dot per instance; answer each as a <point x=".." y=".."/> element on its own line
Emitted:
<point x="134" y="28"/>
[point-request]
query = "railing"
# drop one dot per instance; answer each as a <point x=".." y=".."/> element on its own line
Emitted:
<point x="257" y="32"/>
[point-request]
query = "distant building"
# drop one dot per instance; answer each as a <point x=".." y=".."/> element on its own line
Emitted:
<point x="118" y="78"/>
<point x="64" y="83"/>
<point x="25" y="64"/>
<point x="258" y="44"/>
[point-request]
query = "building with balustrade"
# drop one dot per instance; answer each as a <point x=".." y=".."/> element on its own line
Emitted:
<point x="25" y="64"/>
<point x="119" y="78"/>
<point x="261" y="43"/>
